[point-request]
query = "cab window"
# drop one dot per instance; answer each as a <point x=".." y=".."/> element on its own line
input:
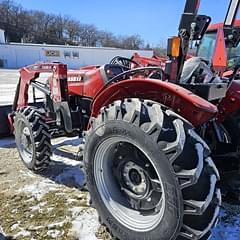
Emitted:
<point x="207" y="45"/>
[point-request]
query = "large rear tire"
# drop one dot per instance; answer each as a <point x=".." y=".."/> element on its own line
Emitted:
<point x="32" y="138"/>
<point x="149" y="174"/>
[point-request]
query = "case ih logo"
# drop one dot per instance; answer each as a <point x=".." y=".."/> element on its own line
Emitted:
<point x="52" y="53"/>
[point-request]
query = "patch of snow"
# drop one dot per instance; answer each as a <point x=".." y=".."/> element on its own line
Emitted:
<point x="35" y="208"/>
<point x="38" y="207"/>
<point x="42" y="204"/>
<point x="62" y="159"/>
<point x="14" y="211"/>
<point x="85" y="226"/>
<point x="38" y="189"/>
<point x="54" y="233"/>
<point x="76" y="211"/>
<point x="54" y="225"/>
<point x="61" y="141"/>
<point x="49" y="209"/>
<point x="14" y="226"/>
<point x="34" y="228"/>
<point x="30" y="199"/>
<point x="22" y="233"/>
<point x="70" y="200"/>
<point x="1" y="230"/>
<point x="60" y="194"/>
<point x="27" y="173"/>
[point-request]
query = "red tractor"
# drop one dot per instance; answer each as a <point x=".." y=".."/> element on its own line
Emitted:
<point x="149" y="172"/>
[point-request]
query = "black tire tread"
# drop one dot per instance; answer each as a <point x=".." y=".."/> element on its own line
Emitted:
<point x="41" y="136"/>
<point x="151" y="118"/>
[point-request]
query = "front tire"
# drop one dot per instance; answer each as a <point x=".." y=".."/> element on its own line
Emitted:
<point x="32" y="138"/>
<point x="149" y="174"/>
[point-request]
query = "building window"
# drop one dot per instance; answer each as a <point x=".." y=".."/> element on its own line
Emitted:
<point x="67" y="54"/>
<point x="75" y="54"/>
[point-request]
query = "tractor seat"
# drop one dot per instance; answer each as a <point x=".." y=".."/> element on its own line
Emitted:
<point x="111" y="71"/>
<point x="196" y="70"/>
<point x="199" y="79"/>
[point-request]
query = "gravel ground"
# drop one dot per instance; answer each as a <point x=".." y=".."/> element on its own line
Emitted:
<point x="54" y="205"/>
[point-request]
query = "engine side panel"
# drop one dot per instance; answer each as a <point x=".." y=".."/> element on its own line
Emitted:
<point x="85" y="82"/>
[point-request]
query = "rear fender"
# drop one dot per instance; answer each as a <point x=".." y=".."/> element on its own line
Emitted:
<point x="188" y="105"/>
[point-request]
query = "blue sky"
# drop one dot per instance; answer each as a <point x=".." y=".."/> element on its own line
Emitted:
<point x="153" y="20"/>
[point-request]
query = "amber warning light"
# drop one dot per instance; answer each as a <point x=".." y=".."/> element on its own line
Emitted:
<point x="173" y="46"/>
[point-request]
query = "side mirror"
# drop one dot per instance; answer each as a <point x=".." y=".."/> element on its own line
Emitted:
<point x="232" y="37"/>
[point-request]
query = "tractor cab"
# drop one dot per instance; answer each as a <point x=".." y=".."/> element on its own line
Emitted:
<point x="207" y="46"/>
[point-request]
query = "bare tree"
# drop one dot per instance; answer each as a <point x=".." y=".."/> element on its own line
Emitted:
<point x="107" y="39"/>
<point x="71" y="31"/>
<point x="40" y="27"/>
<point x="132" y="42"/>
<point x="88" y="35"/>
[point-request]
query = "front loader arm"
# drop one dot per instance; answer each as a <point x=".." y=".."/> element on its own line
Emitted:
<point x="57" y="90"/>
<point x="57" y="82"/>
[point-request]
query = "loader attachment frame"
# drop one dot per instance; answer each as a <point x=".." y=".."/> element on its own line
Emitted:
<point x="57" y="88"/>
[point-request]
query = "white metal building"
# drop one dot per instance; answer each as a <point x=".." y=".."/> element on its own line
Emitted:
<point x="17" y="55"/>
<point x="2" y="36"/>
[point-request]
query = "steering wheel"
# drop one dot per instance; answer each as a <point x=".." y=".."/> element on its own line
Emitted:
<point x="148" y="72"/>
<point x="124" y="62"/>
